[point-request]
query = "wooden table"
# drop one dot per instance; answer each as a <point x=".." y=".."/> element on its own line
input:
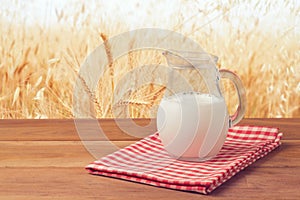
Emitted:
<point x="45" y="159"/>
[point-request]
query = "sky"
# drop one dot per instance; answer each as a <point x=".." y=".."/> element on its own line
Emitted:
<point x="152" y="12"/>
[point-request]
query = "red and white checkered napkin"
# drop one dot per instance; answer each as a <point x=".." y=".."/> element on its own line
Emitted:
<point x="147" y="162"/>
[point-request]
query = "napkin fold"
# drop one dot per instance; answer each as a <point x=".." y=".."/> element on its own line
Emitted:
<point x="147" y="162"/>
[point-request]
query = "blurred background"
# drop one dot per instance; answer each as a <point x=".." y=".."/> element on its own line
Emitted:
<point x="44" y="42"/>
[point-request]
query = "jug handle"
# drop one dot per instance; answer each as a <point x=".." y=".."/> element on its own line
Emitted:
<point x="240" y="112"/>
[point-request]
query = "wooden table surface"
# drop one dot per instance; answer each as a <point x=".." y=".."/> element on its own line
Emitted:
<point x="45" y="159"/>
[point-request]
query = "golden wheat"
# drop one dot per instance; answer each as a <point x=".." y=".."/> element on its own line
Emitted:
<point x="39" y="65"/>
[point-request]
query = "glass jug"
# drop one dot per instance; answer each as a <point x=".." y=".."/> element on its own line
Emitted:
<point x="192" y="118"/>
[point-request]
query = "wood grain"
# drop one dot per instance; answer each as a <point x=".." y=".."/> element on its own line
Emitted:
<point x="65" y="129"/>
<point x="67" y="183"/>
<point x="73" y="153"/>
<point x="45" y="159"/>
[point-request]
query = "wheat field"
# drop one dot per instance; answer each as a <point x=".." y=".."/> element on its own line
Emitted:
<point x="41" y="54"/>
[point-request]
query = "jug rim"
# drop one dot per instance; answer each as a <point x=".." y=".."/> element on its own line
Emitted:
<point x="192" y="55"/>
<point x="190" y="59"/>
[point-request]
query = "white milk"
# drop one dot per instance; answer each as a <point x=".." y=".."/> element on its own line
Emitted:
<point x="192" y="126"/>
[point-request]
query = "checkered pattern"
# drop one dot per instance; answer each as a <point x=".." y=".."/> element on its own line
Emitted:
<point x="147" y="162"/>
